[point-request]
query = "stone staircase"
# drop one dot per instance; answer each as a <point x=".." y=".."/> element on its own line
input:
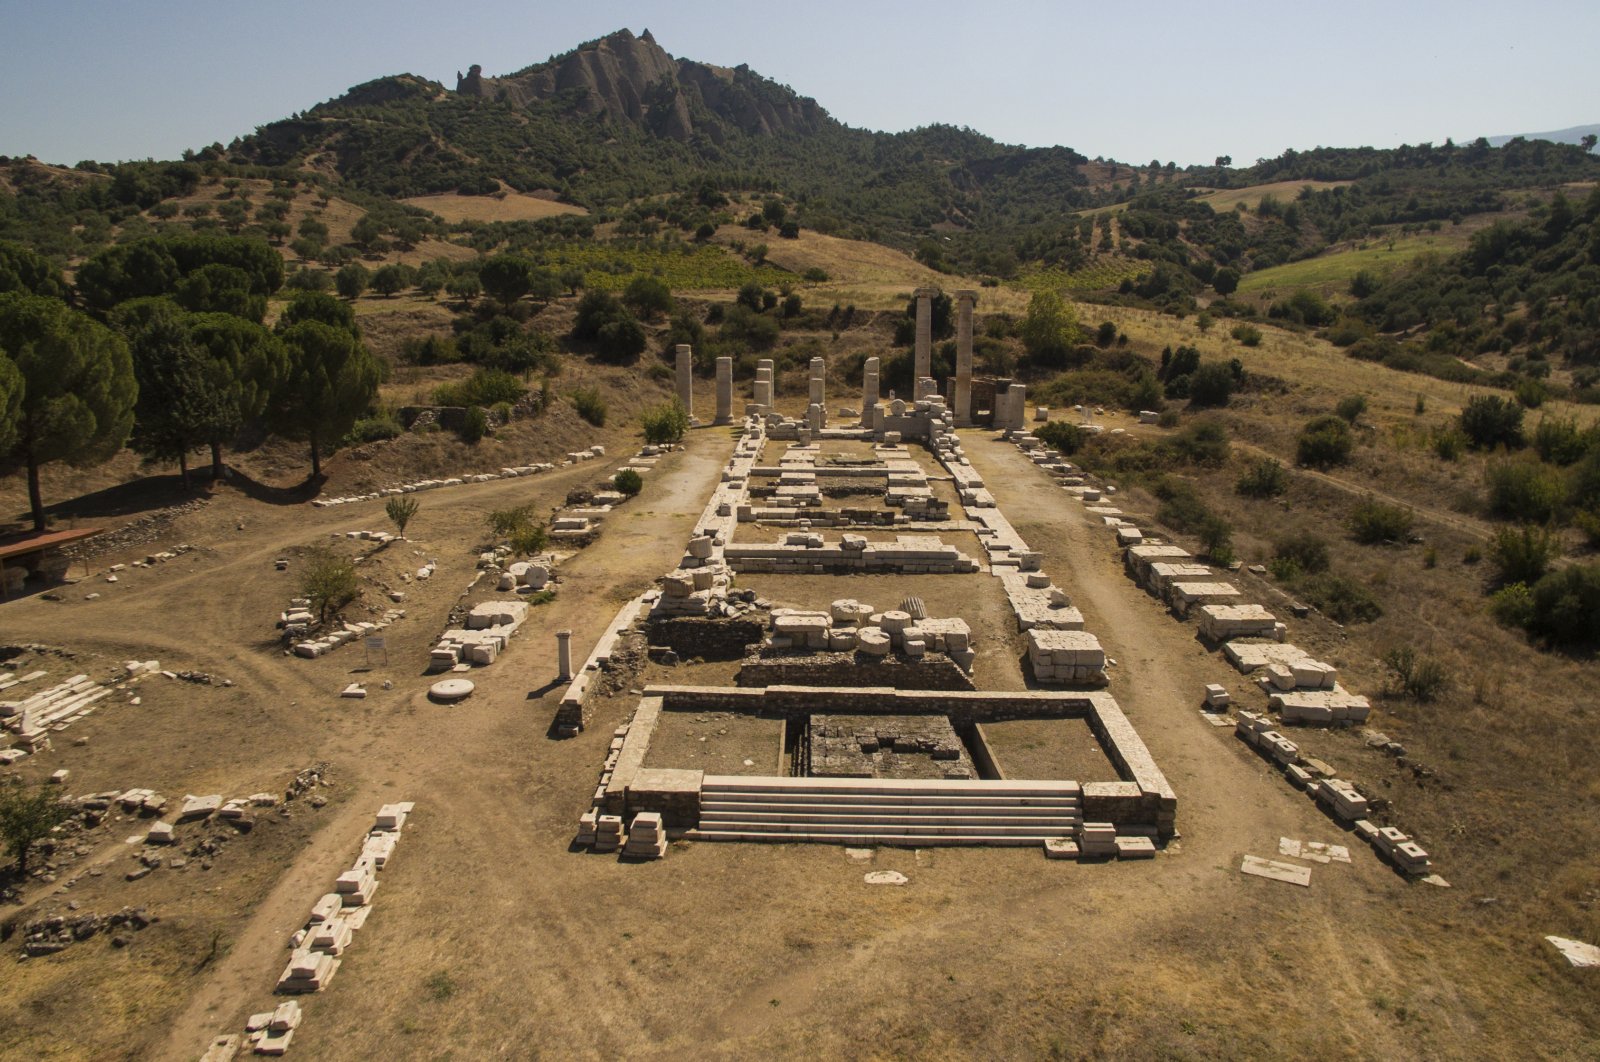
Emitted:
<point x="868" y="811"/>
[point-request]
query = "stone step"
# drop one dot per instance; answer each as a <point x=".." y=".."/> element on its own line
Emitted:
<point x="867" y="839"/>
<point x="901" y="828"/>
<point x="888" y="806"/>
<point x="779" y="819"/>
<point x="889" y="786"/>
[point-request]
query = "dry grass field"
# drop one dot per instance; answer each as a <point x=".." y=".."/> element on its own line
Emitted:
<point x="1284" y="191"/>
<point x="511" y="206"/>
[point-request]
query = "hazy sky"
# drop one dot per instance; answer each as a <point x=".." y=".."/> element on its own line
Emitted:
<point x="121" y="79"/>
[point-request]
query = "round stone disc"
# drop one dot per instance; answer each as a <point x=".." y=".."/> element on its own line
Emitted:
<point x="450" y="689"/>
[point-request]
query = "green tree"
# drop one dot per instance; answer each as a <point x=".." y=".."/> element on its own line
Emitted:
<point x="465" y="287"/>
<point x="506" y="278"/>
<point x="218" y="288"/>
<point x="249" y="365"/>
<point x="28" y="814"/>
<point x="318" y="306"/>
<point x="1050" y="330"/>
<point x="351" y="280"/>
<point x="78" y="389"/>
<point x="1225" y="280"/>
<point x="181" y="393"/>
<point x="367" y="232"/>
<point x="332" y="380"/>
<point x="648" y="296"/>
<point x="328" y="581"/>
<point x="1211" y="385"/>
<point x="23" y="270"/>
<point x="390" y="280"/>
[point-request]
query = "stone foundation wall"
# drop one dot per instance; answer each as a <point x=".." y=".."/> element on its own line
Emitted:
<point x="706" y="639"/>
<point x="781" y="668"/>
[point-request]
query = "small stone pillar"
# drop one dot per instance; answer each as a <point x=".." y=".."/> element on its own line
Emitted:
<point x="924" y="347"/>
<point x="819" y="382"/>
<point x="816" y="417"/>
<point x="926" y="387"/>
<point x="963" y="390"/>
<point x="724" y="390"/>
<point x="1016" y="407"/>
<point x="869" y="391"/>
<point x="686" y="379"/>
<point x="564" y="655"/>
<point x="762" y="394"/>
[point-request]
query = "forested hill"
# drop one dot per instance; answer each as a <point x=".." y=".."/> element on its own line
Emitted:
<point x="619" y="118"/>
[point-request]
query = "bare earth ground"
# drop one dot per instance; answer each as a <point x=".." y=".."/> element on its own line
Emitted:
<point x="491" y="938"/>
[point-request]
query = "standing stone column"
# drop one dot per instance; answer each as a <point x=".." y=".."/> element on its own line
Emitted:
<point x="564" y="655"/>
<point x="924" y="348"/>
<point x="963" y="391"/>
<point x="869" y="391"/>
<point x="819" y="382"/>
<point x="724" y="390"/>
<point x="686" y="379"/>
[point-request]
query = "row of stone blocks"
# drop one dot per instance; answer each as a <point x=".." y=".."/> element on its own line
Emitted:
<point x="319" y="945"/>
<point x="456" y="481"/>
<point x="1341" y="798"/>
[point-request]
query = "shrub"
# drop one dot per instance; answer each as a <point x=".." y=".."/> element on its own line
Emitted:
<point x="401" y="509"/>
<point x="1350" y="408"/>
<point x="475" y="425"/>
<point x="1247" y="334"/>
<point x="1448" y="444"/>
<point x="1202" y="443"/>
<point x="485" y="387"/>
<point x="1560" y="441"/>
<point x="1421" y="678"/>
<point x="621" y="339"/>
<point x="1489" y="421"/>
<point x="1523" y="555"/>
<point x="504" y="523"/>
<point x="1264" y="479"/>
<point x="665" y="423"/>
<point x="1324" y="442"/>
<point x="29" y="815"/>
<point x="1566" y="606"/>
<point x="1341" y="599"/>
<point x="1524" y="490"/>
<point x="1306" y="552"/>
<point x="1211" y="385"/>
<point x="1373" y="522"/>
<point x="1061" y="434"/>
<point x="328" y="581"/>
<point x="628" y="482"/>
<point x="590" y="406"/>
<point x="1216" y="539"/>
<point x="374" y="429"/>
<point x="1531" y="393"/>
<point x="1512" y="606"/>
<point x="530" y="539"/>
